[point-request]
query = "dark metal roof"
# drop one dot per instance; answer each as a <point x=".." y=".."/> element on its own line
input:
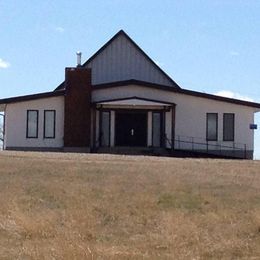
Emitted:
<point x="121" y="32"/>
<point x="176" y="88"/>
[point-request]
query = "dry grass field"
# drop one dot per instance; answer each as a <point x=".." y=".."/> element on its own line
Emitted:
<point x="79" y="206"/>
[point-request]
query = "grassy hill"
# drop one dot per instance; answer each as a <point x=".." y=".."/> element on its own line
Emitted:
<point x="75" y="206"/>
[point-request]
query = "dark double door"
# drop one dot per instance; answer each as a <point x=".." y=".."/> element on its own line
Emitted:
<point x="131" y="128"/>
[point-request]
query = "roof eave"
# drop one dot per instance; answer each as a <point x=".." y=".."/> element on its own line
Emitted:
<point x="31" y="97"/>
<point x="180" y="91"/>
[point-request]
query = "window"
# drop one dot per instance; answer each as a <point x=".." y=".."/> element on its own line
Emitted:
<point x="228" y="127"/>
<point x="156" y="130"/>
<point x="32" y="124"/>
<point x="212" y="126"/>
<point x="49" y="123"/>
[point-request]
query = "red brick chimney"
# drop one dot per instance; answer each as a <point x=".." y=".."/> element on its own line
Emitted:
<point x="77" y="118"/>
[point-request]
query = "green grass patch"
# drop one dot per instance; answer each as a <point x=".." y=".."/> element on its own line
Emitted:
<point x="180" y="200"/>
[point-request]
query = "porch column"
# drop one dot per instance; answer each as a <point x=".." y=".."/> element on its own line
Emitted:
<point x="112" y="128"/>
<point x="149" y="128"/>
<point x="173" y="127"/>
<point x="94" y="124"/>
<point x="97" y="134"/>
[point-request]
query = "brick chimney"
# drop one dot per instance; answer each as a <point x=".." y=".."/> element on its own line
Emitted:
<point x="77" y="118"/>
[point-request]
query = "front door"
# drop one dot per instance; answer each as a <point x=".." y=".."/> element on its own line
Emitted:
<point x="131" y="128"/>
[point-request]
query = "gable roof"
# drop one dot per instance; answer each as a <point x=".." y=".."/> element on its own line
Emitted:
<point x="134" y="48"/>
<point x="60" y="90"/>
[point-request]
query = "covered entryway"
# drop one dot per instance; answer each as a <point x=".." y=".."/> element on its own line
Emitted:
<point x="131" y="128"/>
<point x="133" y="122"/>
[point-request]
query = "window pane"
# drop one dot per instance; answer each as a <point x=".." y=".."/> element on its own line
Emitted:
<point x="105" y="131"/>
<point x="49" y="124"/>
<point x="156" y="129"/>
<point x="32" y="124"/>
<point x="212" y="125"/>
<point x="228" y="127"/>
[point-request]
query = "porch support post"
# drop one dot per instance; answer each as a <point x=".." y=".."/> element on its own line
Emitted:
<point x="173" y="126"/>
<point x="94" y="127"/>
<point x="163" y="133"/>
<point x="100" y="125"/>
<point x="112" y="128"/>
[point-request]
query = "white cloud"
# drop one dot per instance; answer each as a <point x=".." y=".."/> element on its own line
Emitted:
<point x="230" y="94"/>
<point x="234" y="53"/>
<point x="59" y="29"/>
<point x="4" y="64"/>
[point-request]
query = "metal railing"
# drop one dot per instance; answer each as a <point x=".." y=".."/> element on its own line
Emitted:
<point x="201" y="145"/>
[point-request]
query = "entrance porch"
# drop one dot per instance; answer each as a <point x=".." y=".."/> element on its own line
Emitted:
<point x="133" y="124"/>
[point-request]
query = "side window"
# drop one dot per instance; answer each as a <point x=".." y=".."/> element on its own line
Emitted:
<point x="212" y="126"/>
<point x="49" y="123"/>
<point x="228" y="127"/>
<point x="32" y="124"/>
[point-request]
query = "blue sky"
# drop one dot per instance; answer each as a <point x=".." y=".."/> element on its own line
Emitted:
<point x="209" y="46"/>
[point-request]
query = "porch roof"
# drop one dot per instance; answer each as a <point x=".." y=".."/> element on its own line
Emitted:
<point x="134" y="101"/>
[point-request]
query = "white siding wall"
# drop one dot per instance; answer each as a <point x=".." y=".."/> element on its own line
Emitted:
<point x="190" y="117"/>
<point x="16" y="116"/>
<point x="190" y="112"/>
<point x="121" y="60"/>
